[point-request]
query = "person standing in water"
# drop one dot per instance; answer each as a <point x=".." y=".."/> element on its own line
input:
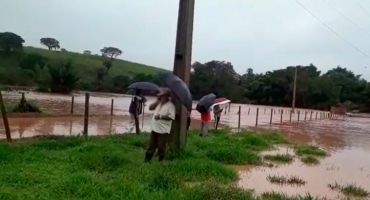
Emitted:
<point x="136" y="109"/>
<point x="164" y="114"/>
<point x="217" y="111"/>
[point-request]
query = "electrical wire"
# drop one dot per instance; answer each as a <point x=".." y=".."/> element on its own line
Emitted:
<point x="347" y="18"/>
<point x="318" y="19"/>
<point x="363" y="9"/>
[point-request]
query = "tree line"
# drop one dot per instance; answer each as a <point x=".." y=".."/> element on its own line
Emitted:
<point x="337" y="87"/>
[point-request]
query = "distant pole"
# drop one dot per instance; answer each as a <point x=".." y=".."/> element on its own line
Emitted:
<point x="316" y="115"/>
<point x="294" y="88"/>
<point x="240" y="109"/>
<point x="181" y="68"/>
<point x="86" y="116"/>
<point x="271" y="115"/>
<point x="111" y="107"/>
<point x="305" y="115"/>
<point x="311" y="116"/>
<point x="281" y="116"/>
<point x="257" y="117"/>
<point x="290" y="116"/>
<point x="249" y="109"/>
<point x="72" y="104"/>
<point x="298" y="114"/>
<point x="5" y="119"/>
<point x="229" y="107"/>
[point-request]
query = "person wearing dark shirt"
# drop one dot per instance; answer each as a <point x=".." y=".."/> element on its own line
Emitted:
<point x="136" y="109"/>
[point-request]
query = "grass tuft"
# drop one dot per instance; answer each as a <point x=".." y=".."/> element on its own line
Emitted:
<point x="281" y="196"/>
<point x="283" y="158"/>
<point x="310" y="160"/>
<point x="350" y="190"/>
<point x="309" y="150"/>
<point x="290" y="180"/>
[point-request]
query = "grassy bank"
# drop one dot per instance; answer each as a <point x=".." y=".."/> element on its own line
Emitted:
<point x="112" y="167"/>
<point x="85" y="67"/>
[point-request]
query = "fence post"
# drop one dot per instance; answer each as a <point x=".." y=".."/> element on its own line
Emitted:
<point x="257" y="117"/>
<point x="72" y="104"/>
<point x="305" y="115"/>
<point x="111" y="107"/>
<point x="298" y="114"/>
<point x="240" y="108"/>
<point x="272" y="110"/>
<point x="290" y="116"/>
<point x="311" y="116"/>
<point x="5" y="119"/>
<point x="249" y="109"/>
<point x="281" y="116"/>
<point x="86" y="116"/>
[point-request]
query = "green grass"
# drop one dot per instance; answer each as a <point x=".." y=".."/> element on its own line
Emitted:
<point x="280" y="196"/>
<point x="112" y="167"/>
<point x="310" y="160"/>
<point x="84" y="66"/>
<point x="309" y="150"/>
<point x="286" y="180"/>
<point x="283" y="158"/>
<point x="88" y="64"/>
<point x="350" y="190"/>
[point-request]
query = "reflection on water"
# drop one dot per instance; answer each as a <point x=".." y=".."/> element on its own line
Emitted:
<point x="344" y="167"/>
<point x="346" y="139"/>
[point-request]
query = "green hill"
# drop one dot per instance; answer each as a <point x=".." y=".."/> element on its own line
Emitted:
<point x="86" y="67"/>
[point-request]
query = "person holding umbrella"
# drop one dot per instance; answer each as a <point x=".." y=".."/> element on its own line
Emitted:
<point x="136" y="109"/>
<point x="161" y="124"/>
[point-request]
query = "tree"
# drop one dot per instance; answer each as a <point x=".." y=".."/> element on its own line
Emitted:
<point x="107" y="64"/>
<point x="10" y="41"/>
<point x="63" y="80"/>
<point x="87" y="52"/>
<point x="51" y="43"/>
<point x="32" y="61"/>
<point x="63" y="50"/>
<point x="111" y="52"/>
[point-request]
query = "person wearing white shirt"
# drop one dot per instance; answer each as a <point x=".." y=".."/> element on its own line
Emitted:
<point x="164" y="114"/>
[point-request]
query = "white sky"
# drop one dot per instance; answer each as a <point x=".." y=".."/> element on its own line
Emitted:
<point x="261" y="34"/>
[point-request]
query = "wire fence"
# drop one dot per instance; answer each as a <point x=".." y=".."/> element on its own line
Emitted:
<point x="235" y="116"/>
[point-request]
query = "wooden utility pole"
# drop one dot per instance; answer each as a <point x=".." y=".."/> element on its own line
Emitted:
<point x="5" y="119"/>
<point x="181" y="68"/>
<point x="294" y="88"/>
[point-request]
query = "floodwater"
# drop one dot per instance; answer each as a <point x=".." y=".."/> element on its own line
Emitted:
<point x="58" y="107"/>
<point x="346" y="139"/>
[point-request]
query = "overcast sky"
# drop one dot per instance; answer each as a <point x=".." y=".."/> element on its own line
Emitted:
<point x="261" y="34"/>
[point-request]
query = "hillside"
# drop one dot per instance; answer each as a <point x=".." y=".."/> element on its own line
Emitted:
<point x="86" y="67"/>
<point x="90" y="63"/>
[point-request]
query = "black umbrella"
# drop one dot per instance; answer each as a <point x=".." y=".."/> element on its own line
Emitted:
<point x="205" y="103"/>
<point x="178" y="88"/>
<point x="144" y="86"/>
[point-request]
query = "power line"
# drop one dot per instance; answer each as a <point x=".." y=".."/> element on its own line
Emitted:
<point x="313" y="15"/>
<point x="363" y="9"/>
<point x="351" y="21"/>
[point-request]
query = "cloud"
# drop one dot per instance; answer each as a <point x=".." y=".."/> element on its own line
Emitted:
<point x="264" y="35"/>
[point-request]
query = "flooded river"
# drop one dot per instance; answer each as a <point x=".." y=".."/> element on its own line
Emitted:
<point x="347" y="140"/>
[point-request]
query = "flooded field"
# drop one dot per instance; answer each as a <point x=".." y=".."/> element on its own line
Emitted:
<point x="347" y="140"/>
<point x="59" y="106"/>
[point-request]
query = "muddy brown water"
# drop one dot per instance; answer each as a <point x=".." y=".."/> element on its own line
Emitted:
<point x="347" y="140"/>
